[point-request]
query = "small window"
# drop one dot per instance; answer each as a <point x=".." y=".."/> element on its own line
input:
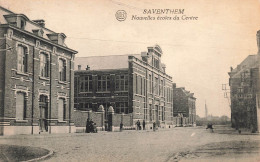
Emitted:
<point x="20" y="106"/>
<point x="22" y="24"/>
<point x="22" y="60"/>
<point x="44" y="65"/>
<point x="62" y="70"/>
<point x="103" y="83"/>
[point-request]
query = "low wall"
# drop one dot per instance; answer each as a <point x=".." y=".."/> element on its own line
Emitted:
<point x="124" y="118"/>
<point x="80" y="118"/>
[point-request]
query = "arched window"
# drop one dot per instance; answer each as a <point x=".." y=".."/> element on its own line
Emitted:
<point x="44" y="65"/>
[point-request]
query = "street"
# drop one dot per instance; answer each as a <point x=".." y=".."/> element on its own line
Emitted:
<point x="182" y="143"/>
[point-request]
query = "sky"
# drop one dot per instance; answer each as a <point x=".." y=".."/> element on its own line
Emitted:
<point x="198" y="53"/>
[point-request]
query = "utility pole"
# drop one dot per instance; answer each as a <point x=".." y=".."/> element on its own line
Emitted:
<point x="206" y="111"/>
<point x="226" y="94"/>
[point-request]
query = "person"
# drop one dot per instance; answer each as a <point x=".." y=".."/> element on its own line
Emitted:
<point x="91" y="126"/>
<point x="121" y="126"/>
<point x="94" y="128"/>
<point x="210" y="126"/>
<point x="138" y="125"/>
<point x="143" y="124"/>
<point x="154" y="126"/>
<point x="87" y="126"/>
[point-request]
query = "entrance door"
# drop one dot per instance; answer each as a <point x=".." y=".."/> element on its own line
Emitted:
<point x="156" y="113"/>
<point x="110" y="118"/>
<point x="43" y="114"/>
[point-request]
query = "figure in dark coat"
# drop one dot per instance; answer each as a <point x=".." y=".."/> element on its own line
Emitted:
<point x="121" y="126"/>
<point x="91" y="126"/>
<point x="154" y="126"/>
<point x="143" y="124"/>
<point x="138" y="125"/>
<point x="87" y="126"/>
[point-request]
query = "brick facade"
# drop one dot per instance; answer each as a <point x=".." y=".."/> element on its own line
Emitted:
<point x="19" y="33"/>
<point x="146" y="94"/>
<point x="184" y="106"/>
<point x="243" y="84"/>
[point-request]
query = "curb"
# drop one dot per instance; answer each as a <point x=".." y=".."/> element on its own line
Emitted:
<point x="41" y="158"/>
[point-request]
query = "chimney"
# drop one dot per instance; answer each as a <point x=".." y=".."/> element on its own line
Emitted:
<point x="40" y="22"/>
<point x="79" y="67"/>
<point x="58" y="38"/>
<point x="144" y="56"/>
<point x="87" y="68"/>
<point x="38" y="32"/>
<point x="163" y="67"/>
<point x="258" y="41"/>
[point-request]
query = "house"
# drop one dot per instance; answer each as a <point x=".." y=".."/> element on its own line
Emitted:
<point x="184" y="106"/>
<point x="37" y="77"/>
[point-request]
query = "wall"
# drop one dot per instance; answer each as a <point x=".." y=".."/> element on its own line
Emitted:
<point x="80" y="118"/>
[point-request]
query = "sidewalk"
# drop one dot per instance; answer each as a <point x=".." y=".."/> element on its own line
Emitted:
<point x="228" y="130"/>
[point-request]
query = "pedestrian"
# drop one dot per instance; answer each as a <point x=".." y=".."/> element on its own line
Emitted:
<point x="94" y="128"/>
<point x="91" y="126"/>
<point x="143" y="124"/>
<point x="121" y="126"/>
<point x="210" y="126"/>
<point x="87" y="126"/>
<point x="138" y="125"/>
<point x="154" y="126"/>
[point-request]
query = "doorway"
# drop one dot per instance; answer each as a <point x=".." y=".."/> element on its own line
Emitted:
<point x="43" y="105"/>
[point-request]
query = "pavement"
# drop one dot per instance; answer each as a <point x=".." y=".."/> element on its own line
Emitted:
<point x="177" y="144"/>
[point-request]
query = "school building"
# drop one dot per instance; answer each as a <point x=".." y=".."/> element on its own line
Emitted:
<point x="37" y="77"/>
<point x="134" y="85"/>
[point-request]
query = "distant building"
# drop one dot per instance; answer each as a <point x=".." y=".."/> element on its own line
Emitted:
<point x="131" y="84"/>
<point x="184" y="104"/>
<point x="243" y="89"/>
<point x="36" y="77"/>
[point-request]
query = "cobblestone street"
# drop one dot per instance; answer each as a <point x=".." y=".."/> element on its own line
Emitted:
<point x="163" y="145"/>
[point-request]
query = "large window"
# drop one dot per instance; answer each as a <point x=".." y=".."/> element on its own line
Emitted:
<point x="86" y="84"/>
<point x="150" y="84"/>
<point x="150" y="112"/>
<point x="103" y="83"/>
<point x="121" y="107"/>
<point x="22" y="59"/>
<point x="163" y="113"/>
<point x="121" y="83"/>
<point x="161" y="88"/>
<point x="44" y="65"/>
<point x="156" y="63"/>
<point x="62" y="70"/>
<point x="145" y="112"/>
<point x="141" y="83"/>
<point x="160" y="112"/>
<point x="61" y="110"/>
<point x="156" y="86"/>
<point x="20" y="106"/>
<point x="136" y="84"/>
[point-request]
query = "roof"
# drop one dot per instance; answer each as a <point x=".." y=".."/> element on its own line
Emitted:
<point x="248" y="63"/>
<point x="187" y="93"/>
<point x="8" y="17"/>
<point x="103" y="62"/>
